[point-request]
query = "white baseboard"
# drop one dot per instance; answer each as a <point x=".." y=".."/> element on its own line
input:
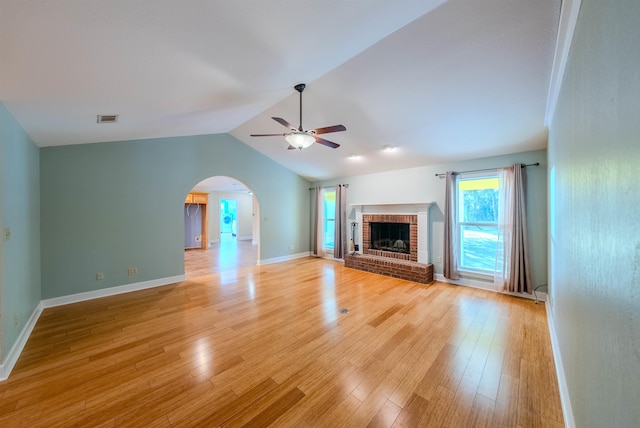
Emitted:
<point x="474" y="283"/>
<point x="16" y="349"/>
<point x="284" y="258"/>
<point x="565" y="400"/>
<point x="111" y="291"/>
<point x="244" y="238"/>
<point x="18" y="346"/>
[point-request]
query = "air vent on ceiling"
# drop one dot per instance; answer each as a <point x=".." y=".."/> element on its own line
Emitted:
<point x="107" y="118"/>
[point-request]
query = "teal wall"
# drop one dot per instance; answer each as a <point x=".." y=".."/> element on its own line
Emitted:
<point x="20" y="212"/>
<point x="109" y="206"/>
<point x="419" y="185"/>
<point x="594" y="159"/>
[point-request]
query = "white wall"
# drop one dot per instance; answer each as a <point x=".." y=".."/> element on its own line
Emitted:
<point x="420" y="185"/>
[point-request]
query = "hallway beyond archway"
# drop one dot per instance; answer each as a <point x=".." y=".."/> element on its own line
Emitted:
<point x="227" y="254"/>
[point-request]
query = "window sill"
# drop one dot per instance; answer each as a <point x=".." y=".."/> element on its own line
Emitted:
<point x="476" y="275"/>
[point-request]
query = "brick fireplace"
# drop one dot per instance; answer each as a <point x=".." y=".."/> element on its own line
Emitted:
<point x="412" y="265"/>
<point x="410" y="219"/>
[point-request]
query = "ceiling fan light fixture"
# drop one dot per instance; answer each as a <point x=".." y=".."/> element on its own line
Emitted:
<point x="300" y="140"/>
<point x="298" y="137"/>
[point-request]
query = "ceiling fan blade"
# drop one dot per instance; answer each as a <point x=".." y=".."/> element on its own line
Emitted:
<point x="291" y="147"/>
<point x="283" y="122"/>
<point x="326" y="142"/>
<point x="268" y="135"/>
<point x="328" y="129"/>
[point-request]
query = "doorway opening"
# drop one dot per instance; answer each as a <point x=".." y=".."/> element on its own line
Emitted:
<point x="228" y="218"/>
<point x="229" y="230"/>
<point x="195" y="221"/>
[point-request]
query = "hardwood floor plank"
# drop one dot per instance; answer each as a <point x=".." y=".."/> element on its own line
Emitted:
<point x="377" y="397"/>
<point x="339" y="414"/>
<point x="218" y="415"/>
<point x="385" y="315"/>
<point x="201" y="398"/>
<point x="490" y="380"/>
<point x="268" y="345"/>
<point x="437" y="372"/>
<point x="334" y="387"/>
<point x="394" y="342"/>
<point x="412" y="413"/>
<point x="386" y="416"/>
<point x="275" y="410"/>
<point x="506" y="408"/>
<point x="481" y="412"/>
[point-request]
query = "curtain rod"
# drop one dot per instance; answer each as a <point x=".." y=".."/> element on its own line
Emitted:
<point x="326" y="187"/>
<point x="443" y="174"/>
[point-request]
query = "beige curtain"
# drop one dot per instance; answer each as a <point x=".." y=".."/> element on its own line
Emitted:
<point x="316" y="227"/>
<point x="450" y="228"/>
<point x="340" y="237"/>
<point x="512" y="259"/>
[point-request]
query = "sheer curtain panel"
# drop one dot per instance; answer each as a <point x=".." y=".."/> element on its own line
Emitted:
<point x="512" y="259"/>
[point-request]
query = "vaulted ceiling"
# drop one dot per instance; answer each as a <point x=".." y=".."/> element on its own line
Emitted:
<point x="436" y="80"/>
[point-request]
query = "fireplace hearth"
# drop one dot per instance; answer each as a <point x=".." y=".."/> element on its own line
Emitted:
<point x="393" y="241"/>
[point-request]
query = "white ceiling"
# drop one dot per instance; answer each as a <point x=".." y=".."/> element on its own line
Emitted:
<point x="438" y="80"/>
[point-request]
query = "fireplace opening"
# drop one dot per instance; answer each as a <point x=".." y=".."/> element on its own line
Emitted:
<point x="392" y="237"/>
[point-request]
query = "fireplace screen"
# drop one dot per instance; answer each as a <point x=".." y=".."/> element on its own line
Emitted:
<point x="390" y="237"/>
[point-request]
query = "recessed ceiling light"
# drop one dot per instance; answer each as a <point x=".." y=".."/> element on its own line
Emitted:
<point x="354" y="156"/>
<point x="107" y="118"/>
<point x="387" y="148"/>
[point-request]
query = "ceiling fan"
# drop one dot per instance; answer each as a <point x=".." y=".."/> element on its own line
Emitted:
<point x="299" y="138"/>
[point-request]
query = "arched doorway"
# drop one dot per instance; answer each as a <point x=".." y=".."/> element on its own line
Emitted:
<point x="221" y="227"/>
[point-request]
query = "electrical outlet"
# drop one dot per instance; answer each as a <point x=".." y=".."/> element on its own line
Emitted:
<point x="99" y="276"/>
<point x="291" y="247"/>
<point x="6" y="234"/>
<point x="439" y="259"/>
<point x="133" y="271"/>
<point x="16" y="320"/>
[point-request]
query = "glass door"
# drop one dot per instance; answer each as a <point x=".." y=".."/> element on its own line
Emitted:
<point x="228" y="218"/>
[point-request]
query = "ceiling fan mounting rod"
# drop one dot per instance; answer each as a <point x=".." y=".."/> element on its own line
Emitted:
<point x="300" y="87"/>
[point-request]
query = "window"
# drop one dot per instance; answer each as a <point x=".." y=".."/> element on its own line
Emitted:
<point x="328" y="218"/>
<point x="477" y="207"/>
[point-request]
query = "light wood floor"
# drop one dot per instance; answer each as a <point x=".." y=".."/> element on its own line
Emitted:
<point x="269" y="345"/>
<point x="228" y="254"/>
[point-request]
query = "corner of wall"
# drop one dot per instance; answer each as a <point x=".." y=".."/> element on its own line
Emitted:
<point x="12" y="357"/>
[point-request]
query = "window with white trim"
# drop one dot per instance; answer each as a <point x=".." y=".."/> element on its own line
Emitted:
<point x="477" y="200"/>
<point x="328" y="218"/>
